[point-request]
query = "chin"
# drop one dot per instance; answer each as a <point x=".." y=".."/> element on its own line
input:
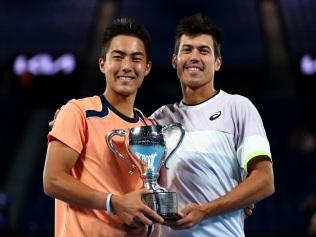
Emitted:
<point x="192" y="82"/>
<point x="126" y="92"/>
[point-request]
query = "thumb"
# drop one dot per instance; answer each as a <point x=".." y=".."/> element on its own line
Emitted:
<point x="145" y="190"/>
<point x="181" y="214"/>
<point x="185" y="211"/>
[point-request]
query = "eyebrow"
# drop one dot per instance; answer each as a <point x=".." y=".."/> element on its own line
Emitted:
<point x="199" y="46"/>
<point x="137" y="53"/>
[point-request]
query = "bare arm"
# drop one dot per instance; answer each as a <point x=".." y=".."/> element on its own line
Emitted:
<point x="258" y="185"/>
<point x="60" y="184"/>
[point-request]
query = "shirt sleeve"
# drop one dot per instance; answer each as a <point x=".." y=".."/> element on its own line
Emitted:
<point x="69" y="127"/>
<point x="250" y="135"/>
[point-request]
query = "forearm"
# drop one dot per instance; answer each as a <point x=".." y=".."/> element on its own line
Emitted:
<point x="257" y="186"/>
<point x="68" y="189"/>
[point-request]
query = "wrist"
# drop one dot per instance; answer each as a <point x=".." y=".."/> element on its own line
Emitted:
<point x="204" y="209"/>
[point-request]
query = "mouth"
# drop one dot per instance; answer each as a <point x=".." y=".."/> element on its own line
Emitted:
<point x="125" y="78"/>
<point x="194" y="68"/>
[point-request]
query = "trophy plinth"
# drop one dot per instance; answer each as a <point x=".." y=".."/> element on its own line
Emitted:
<point x="147" y="145"/>
<point x="164" y="203"/>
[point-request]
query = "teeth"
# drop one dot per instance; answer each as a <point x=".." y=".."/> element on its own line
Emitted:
<point x="125" y="78"/>
<point x="193" y="69"/>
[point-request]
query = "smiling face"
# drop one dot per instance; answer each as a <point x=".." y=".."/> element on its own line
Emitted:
<point x="125" y="66"/>
<point x="195" y="63"/>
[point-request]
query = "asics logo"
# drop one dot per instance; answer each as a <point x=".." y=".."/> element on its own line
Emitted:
<point x="215" y="115"/>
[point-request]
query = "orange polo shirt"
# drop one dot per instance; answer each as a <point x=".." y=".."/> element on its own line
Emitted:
<point x="83" y="126"/>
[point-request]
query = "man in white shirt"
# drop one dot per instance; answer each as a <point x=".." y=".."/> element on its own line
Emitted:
<point x="224" y="163"/>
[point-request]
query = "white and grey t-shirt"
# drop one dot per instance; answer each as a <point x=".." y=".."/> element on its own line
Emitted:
<point x="222" y="135"/>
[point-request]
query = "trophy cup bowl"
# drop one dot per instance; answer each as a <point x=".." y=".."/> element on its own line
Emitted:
<point x="148" y="147"/>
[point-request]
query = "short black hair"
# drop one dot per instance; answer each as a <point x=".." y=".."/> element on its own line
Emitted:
<point x="199" y="24"/>
<point x="125" y="26"/>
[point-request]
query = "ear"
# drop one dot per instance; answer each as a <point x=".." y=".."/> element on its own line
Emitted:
<point x="218" y="63"/>
<point x="101" y="64"/>
<point x="148" y="68"/>
<point x="174" y="61"/>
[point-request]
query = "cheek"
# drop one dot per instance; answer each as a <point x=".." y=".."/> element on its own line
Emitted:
<point x="181" y="60"/>
<point x="179" y="65"/>
<point x="113" y="65"/>
<point x="140" y="69"/>
<point x="210" y="64"/>
<point x="180" y="72"/>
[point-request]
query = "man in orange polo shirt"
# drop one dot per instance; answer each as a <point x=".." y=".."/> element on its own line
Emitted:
<point x="87" y="181"/>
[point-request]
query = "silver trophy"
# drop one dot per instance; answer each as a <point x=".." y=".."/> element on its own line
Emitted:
<point x="147" y="145"/>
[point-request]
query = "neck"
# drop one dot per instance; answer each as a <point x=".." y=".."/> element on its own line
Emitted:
<point x="124" y="104"/>
<point x="193" y="96"/>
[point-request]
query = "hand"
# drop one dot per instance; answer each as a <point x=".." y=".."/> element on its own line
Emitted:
<point x="191" y="215"/>
<point x="249" y="210"/>
<point x="132" y="210"/>
<point x="51" y="123"/>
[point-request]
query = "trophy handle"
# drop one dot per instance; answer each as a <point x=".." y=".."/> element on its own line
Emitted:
<point x="109" y="141"/>
<point x="171" y="126"/>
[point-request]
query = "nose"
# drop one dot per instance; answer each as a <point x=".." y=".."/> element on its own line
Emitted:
<point x="126" y="64"/>
<point x="195" y="56"/>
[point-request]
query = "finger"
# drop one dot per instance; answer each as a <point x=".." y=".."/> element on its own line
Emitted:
<point x="134" y="225"/>
<point x="180" y="224"/>
<point x="152" y="214"/>
<point x="185" y="211"/>
<point x="248" y="211"/>
<point x="141" y="221"/>
<point x="144" y="221"/>
<point x="251" y="206"/>
<point x="184" y="221"/>
<point x="145" y="190"/>
<point x="180" y="214"/>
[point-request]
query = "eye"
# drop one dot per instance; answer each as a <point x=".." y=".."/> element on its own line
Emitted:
<point x="186" y="49"/>
<point x="117" y="57"/>
<point x="204" y="51"/>
<point x="137" y="59"/>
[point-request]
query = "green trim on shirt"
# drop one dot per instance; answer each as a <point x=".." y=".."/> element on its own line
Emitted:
<point x="253" y="155"/>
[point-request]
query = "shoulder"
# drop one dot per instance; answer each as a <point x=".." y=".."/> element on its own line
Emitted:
<point x="163" y="111"/>
<point x="239" y="107"/>
<point x="236" y="99"/>
<point x="92" y="102"/>
<point x="236" y="102"/>
<point x="79" y="107"/>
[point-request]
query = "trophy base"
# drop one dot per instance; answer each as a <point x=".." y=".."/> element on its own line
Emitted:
<point x="170" y="216"/>
<point x="164" y="203"/>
